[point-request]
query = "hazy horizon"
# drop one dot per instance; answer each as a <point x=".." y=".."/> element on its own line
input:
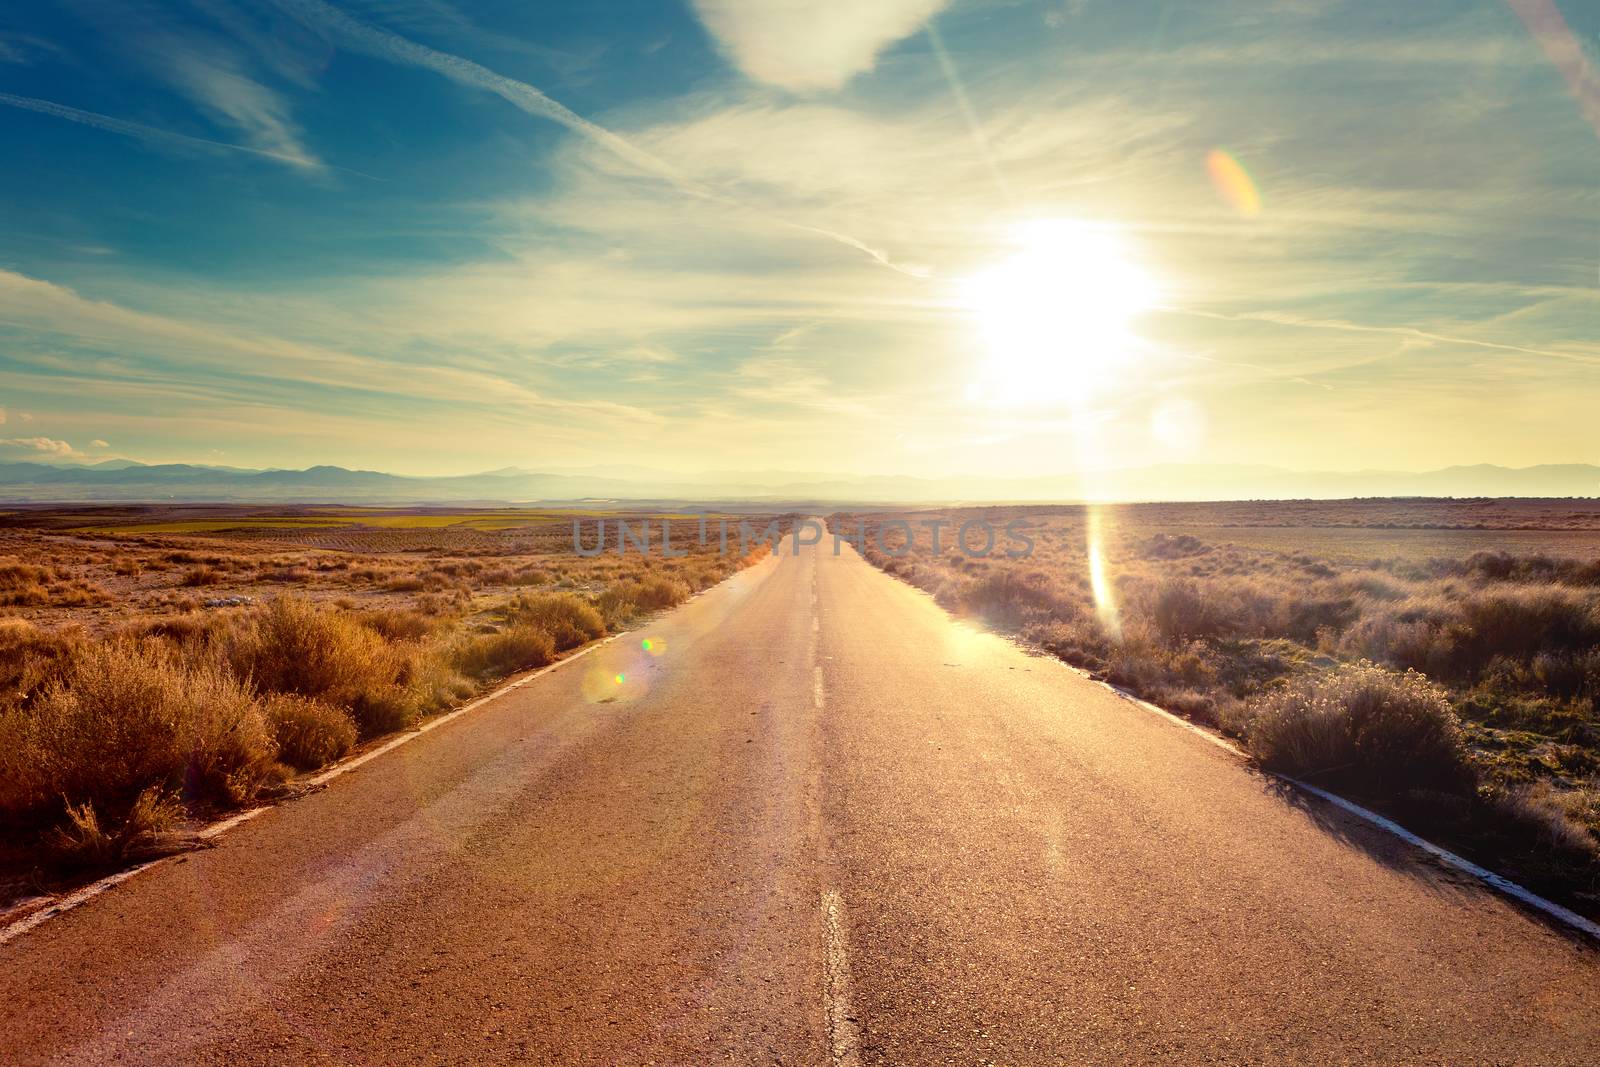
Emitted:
<point x="126" y="482"/>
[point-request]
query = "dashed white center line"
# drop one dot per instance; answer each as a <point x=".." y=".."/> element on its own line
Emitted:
<point x="844" y="1040"/>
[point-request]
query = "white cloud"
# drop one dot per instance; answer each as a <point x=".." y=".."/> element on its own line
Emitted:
<point x="810" y="44"/>
<point x="212" y="80"/>
<point x="200" y="348"/>
<point x="97" y="443"/>
<point x="48" y="446"/>
<point x="527" y="98"/>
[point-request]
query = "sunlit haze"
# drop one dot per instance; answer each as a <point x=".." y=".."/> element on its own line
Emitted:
<point x="938" y="240"/>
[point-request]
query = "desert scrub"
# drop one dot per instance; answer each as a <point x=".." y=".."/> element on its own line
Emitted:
<point x="30" y="656"/>
<point x="623" y="601"/>
<point x="309" y="733"/>
<point x="123" y="717"/>
<point x="519" y="646"/>
<point x="569" y="620"/>
<point x="1379" y="731"/>
<point x="205" y="574"/>
<point x="82" y="842"/>
<point x="292" y="646"/>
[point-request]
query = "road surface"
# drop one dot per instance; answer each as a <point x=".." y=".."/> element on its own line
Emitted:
<point x="818" y="822"/>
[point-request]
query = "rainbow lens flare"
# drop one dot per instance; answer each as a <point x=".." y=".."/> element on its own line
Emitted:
<point x="1233" y="183"/>
<point x="1105" y="600"/>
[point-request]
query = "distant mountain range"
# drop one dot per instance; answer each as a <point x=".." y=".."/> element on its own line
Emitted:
<point x="128" y="482"/>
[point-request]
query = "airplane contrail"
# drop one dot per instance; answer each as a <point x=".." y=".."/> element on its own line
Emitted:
<point x="140" y="130"/>
<point x="1280" y="319"/>
<point x="391" y="46"/>
<point x="126" y="128"/>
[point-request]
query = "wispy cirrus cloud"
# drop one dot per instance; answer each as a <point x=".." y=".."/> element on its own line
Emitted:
<point x="379" y="42"/>
<point x="211" y="78"/>
<point x="243" y="359"/>
<point x="1589" y="354"/>
<point x="23" y="49"/>
<point x="810" y="44"/>
<point x="154" y="134"/>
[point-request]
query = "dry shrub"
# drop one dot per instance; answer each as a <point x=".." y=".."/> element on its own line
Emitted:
<point x="309" y="733"/>
<point x="123" y="717"/>
<point x="406" y="583"/>
<point x="190" y="631"/>
<point x="29" y="657"/>
<point x="77" y="593"/>
<point x="1549" y="819"/>
<point x="80" y="842"/>
<point x="398" y="624"/>
<point x="295" y="575"/>
<point x="435" y="685"/>
<point x="441" y="604"/>
<point x="291" y="646"/>
<point x="568" y="620"/>
<point x="1008" y="595"/>
<point x="1360" y="725"/>
<point x="1521" y="621"/>
<point x="203" y="575"/>
<point x="622" y="601"/>
<point x="25" y="595"/>
<point x="520" y="646"/>
<point x="16" y="575"/>
<point x="1181" y="610"/>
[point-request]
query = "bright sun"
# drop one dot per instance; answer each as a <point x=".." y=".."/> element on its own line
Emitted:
<point x="1056" y="314"/>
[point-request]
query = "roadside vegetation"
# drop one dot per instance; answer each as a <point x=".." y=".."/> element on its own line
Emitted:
<point x="122" y="725"/>
<point x="1459" y="693"/>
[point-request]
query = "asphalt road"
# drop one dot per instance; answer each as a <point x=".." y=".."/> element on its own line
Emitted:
<point x="818" y="822"/>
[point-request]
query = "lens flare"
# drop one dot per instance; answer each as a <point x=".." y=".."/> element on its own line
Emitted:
<point x="1105" y="602"/>
<point x="1233" y="183"/>
<point x="1565" y="51"/>
<point x="626" y="678"/>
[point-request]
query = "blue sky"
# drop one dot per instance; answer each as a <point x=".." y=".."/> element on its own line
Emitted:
<point x="436" y="236"/>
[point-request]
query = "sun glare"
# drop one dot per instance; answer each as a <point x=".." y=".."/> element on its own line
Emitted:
<point x="1055" y="315"/>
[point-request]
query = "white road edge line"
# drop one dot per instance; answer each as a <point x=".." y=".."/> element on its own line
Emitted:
<point x="1498" y="882"/>
<point x="81" y="896"/>
<point x="844" y="1039"/>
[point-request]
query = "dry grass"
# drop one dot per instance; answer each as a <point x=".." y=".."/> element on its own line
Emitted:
<point x="1361" y="727"/>
<point x="309" y="733"/>
<point x="126" y="716"/>
<point x="519" y="647"/>
<point x="81" y="843"/>
<point x="150" y="679"/>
